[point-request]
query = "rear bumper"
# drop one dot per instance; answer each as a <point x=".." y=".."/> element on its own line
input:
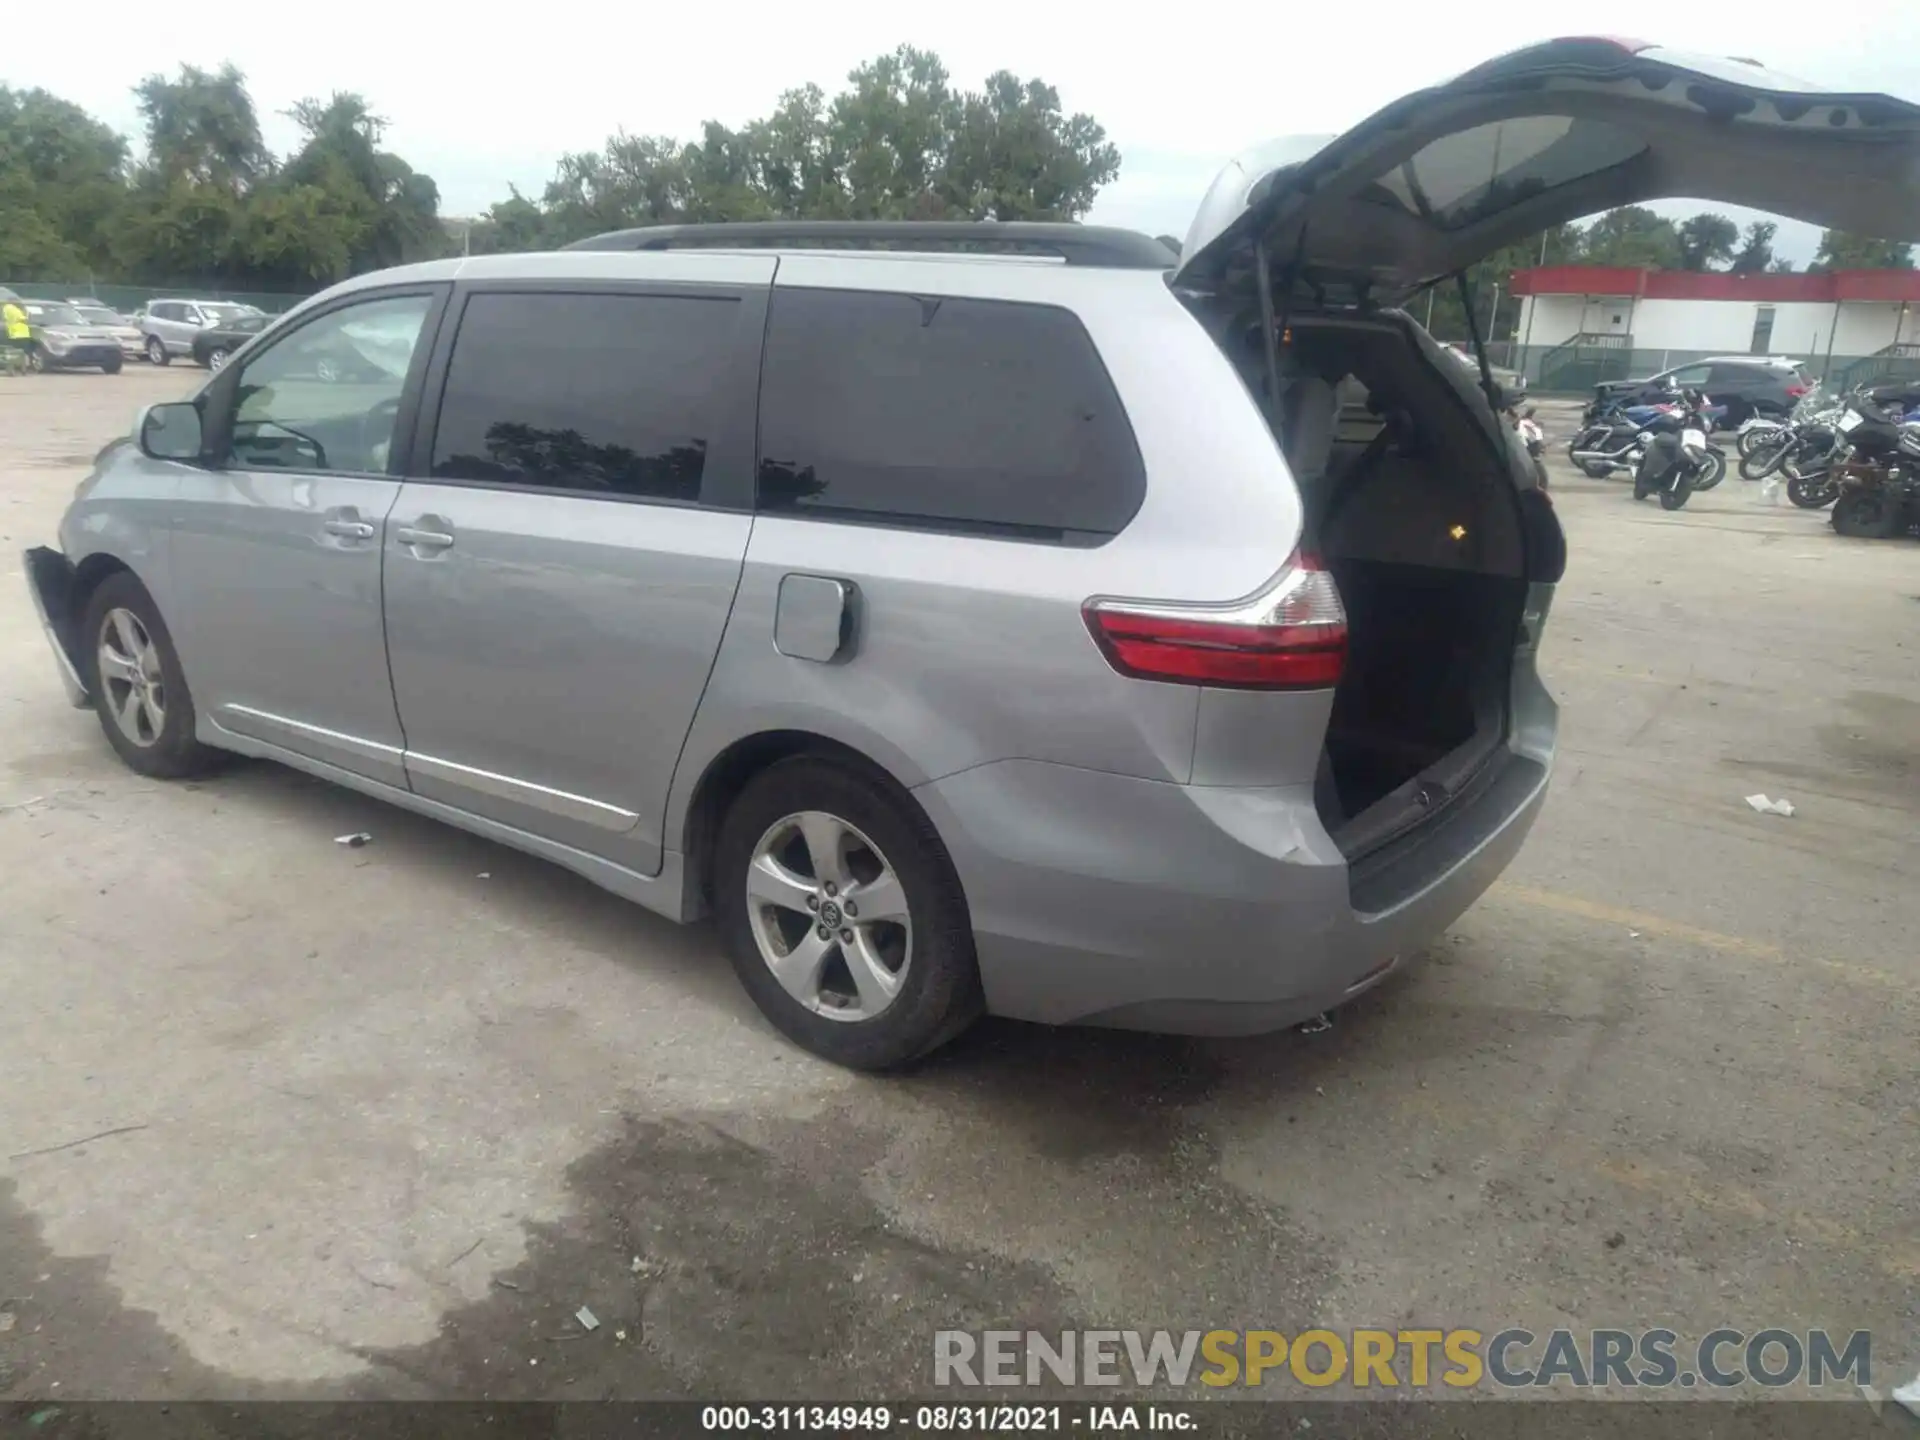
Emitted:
<point x="1107" y="900"/>
<point x="50" y="583"/>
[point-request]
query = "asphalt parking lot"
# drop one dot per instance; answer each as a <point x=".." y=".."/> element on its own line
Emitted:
<point x="387" y="1117"/>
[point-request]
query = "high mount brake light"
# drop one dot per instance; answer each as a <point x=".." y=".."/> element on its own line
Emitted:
<point x="1290" y="636"/>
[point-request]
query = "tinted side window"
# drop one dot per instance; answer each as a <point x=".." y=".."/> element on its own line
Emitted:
<point x="608" y="393"/>
<point x="1745" y="376"/>
<point x="944" y="413"/>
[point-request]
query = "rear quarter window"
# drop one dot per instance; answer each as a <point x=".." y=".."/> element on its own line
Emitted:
<point x="943" y="413"/>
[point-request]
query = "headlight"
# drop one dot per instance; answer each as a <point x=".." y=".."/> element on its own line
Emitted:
<point x="55" y="342"/>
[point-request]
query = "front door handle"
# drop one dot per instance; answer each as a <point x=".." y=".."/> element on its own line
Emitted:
<point x="421" y="538"/>
<point x="350" y="529"/>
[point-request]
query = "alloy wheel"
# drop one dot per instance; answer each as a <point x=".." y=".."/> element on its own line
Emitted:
<point x="133" y="687"/>
<point x="829" y="916"/>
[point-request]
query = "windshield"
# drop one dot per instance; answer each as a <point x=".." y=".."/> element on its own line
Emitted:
<point x="41" y="313"/>
<point x="98" y="315"/>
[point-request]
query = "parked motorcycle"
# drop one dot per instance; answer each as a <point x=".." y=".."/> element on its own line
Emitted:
<point x="1613" y="438"/>
<point x="1678" y="457"/>
<point x="1878" y="478"/>
<point x="1533" y="437"/>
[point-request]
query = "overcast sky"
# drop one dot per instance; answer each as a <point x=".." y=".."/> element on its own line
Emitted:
<point x="480" y="97"/>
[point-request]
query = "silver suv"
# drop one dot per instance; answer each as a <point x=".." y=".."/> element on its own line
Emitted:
<point x="1054" y="632"/>
<point x="170" y="325"/>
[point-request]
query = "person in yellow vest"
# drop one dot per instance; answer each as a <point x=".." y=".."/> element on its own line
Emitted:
<point x="19" y="333"/>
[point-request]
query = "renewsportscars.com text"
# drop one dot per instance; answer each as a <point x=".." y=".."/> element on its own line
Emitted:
<point x="1395" y="1359"/>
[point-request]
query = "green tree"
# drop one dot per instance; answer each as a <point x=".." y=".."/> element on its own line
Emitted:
<point x="391" y="214"/>
<point x="1840" y="250"/>
<point x="62" y="186"/>
<point x="1014" y="155"/>
<point x="900" y="142"/>
<point x="1706" y="241"/>
<point x="1755" y="256"/>
<point x="515" y="223"/>
<point x="1633" y="236"/>
<point x="202" y="127"/>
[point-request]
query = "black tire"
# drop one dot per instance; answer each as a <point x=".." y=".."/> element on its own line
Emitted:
<point x="1714" y="471"/>
<point x="1763" y="461"/>
<point x="173" y="753"/>
<point x="1736" y="414"/>
<point x="37" y="361"/>
<point x="1866" y="514"/>
<point x="110" y="367"/>
<point x="157" y="351"/>
<point x="1813" y="492"/>
<point x="940" y="993"/>
<point x="1673" y="497"/>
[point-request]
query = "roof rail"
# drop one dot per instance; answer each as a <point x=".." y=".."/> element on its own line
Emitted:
<point x="1097" y="245"/>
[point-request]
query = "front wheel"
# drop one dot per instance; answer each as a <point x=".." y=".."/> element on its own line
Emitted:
<point x="1713" y="469"/>
<point x="1813" y="492"/>
<point x="110" y="367"/>
<point x="1866" y="514"/>
<point x="37" y="362"/>
<point x="1765" y="458"/>
<point x="216" y="359"/>
<point x="139" y="691"/>
<point x="843" y="916"/>
<point x="157" y="351"/>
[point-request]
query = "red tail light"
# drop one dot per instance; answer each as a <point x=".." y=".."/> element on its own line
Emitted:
<point x="1290" y="636"/>
<point x="1796" y="391"/>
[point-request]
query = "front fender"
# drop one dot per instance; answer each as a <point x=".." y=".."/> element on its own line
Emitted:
<point x="50" y="583"/>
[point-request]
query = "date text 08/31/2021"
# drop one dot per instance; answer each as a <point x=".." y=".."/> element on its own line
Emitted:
<point x="946" y="1419"/>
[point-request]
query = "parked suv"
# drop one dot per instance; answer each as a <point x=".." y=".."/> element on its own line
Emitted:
<point x="1033" y="632"/>
<point x="170" y="325"/>
<point x="1747" y="385"/>
<point x="62" y="339"/>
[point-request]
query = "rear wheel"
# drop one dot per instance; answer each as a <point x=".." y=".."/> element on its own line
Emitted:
<point x="842" y="915"/>
<point x="1674" y="496"/>
<point x="1866" y="514"/>
<point x="140" y="694"/>
<point x="157" y="350"/>
<point x="110" y="366"/>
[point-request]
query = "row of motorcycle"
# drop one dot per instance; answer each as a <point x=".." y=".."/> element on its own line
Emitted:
<point x="1666" y="446"/>
<point x="1857" y="451"/>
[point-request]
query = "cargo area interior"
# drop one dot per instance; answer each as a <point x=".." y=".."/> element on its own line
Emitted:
<point x="1409" y="506"/>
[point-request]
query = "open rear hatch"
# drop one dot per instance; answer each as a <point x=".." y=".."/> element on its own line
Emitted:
<point x="1349" y="225"/>
<point x="1445" y="176"/>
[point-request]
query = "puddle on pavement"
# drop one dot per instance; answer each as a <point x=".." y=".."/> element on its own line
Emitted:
<point x="736" y="1255"/>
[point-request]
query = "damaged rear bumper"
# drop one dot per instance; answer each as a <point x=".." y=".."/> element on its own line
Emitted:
<point x="50" y="582"/>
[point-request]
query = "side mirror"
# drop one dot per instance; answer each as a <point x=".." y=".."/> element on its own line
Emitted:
<point x="171" y="431"/>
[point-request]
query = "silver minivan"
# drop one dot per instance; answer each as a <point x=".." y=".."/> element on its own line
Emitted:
<point x="1007" y="619"/>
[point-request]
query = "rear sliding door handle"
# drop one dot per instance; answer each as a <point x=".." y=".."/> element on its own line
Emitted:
<point x="423" y="539"/>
